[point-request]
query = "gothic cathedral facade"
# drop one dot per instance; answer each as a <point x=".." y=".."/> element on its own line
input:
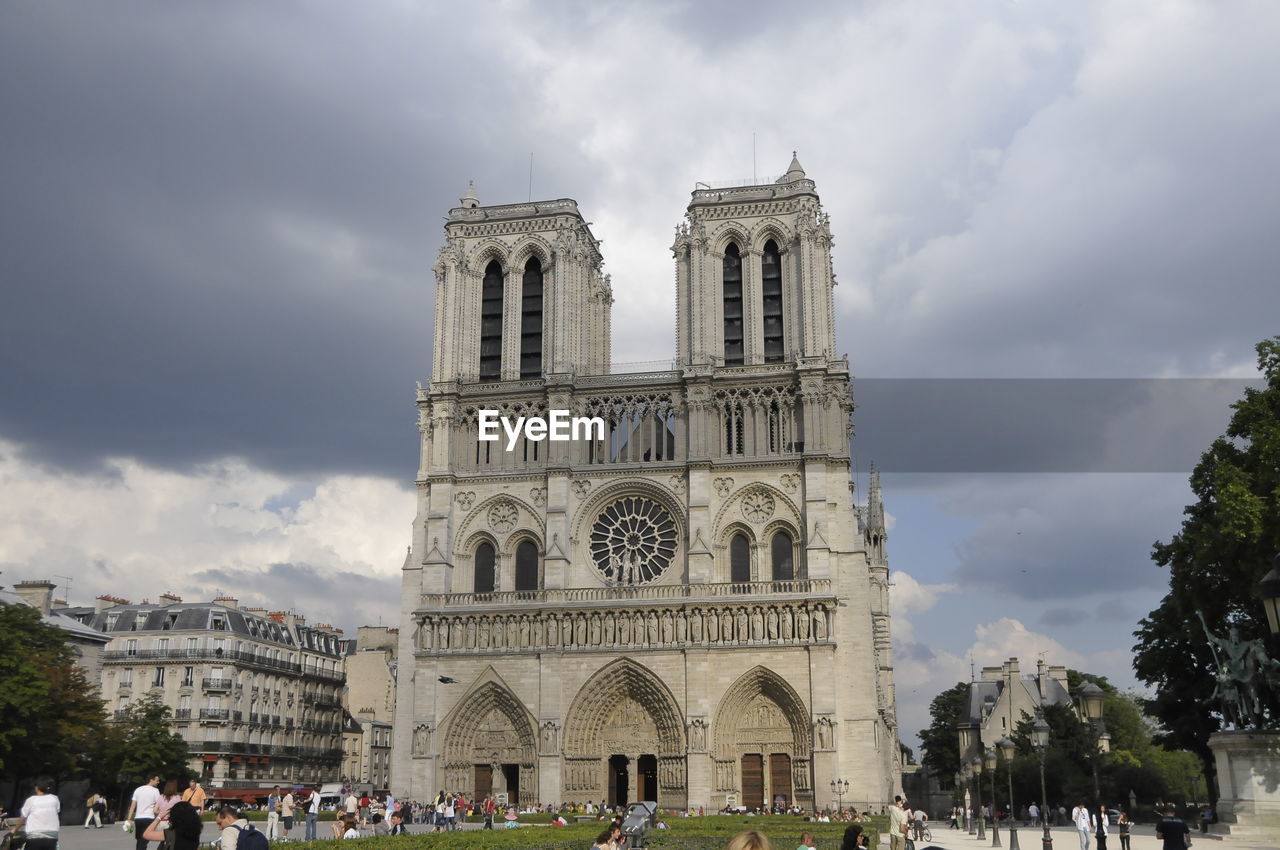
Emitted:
<point x="689" y="607"/>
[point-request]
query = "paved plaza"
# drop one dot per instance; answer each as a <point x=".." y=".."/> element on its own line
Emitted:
<point x="1064" y="838"/>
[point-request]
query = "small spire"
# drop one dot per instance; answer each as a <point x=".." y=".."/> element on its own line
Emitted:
<point x="794" y="170"/>
<point x="469" y="200"/>
<point x="875" y="502"/>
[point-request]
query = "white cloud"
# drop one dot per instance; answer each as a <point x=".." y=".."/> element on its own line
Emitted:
<point x="137" y="531"/>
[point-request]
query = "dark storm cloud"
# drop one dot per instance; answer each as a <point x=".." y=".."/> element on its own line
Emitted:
<point x="219" y="224"/>
<point x="1034" y="425"/>
<point x="339" y="597"/>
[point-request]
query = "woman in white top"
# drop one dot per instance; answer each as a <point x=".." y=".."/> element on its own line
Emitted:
<point x="350" y="830"/>
<point x="40" y="816"/>
<point x="1100" y="827"/>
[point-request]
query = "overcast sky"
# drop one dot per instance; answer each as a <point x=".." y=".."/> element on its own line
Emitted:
<point x="218" y="220"/>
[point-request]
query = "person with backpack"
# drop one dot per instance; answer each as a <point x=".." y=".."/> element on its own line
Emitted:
<point x="238" y="833"/>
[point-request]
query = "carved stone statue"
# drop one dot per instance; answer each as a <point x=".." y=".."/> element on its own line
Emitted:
<point x="697" y="735"/>
<point x="1242" y="666"/>
<point x="421" y="739"/>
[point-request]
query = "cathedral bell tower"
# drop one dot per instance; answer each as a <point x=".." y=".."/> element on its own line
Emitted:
<point x="754" y="275"/>
<point x="503" y="272"/>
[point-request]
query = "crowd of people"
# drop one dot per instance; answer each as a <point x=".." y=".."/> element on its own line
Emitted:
<point x="160" y="813"/>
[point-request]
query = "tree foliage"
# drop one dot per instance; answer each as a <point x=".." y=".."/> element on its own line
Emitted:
<point x="940" y="742"/>
<point x="1227" y="541"/>
<point x="51" y="720"/>
<point x="140" y="744"/>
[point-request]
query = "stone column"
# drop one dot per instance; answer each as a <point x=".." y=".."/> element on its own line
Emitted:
<point x="633" y="779"/>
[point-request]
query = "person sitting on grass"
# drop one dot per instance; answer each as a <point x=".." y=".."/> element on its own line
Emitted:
<point x="350" y="827"/>
<point x="380" y="828"/>
<point x="749" y="839"/>
<point x="806" y="841"/>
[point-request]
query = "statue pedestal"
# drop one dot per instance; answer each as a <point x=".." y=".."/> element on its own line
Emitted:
<point x="1248" y="764"/>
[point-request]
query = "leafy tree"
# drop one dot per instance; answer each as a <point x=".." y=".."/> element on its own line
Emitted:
<point x="941" y="742"/>
<point x="51" y="720"/>
<point x="1226" y="544"/>
<point x="141" y="744"/>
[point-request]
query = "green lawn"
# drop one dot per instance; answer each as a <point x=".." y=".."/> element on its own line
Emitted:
<point x="705" y="833"/>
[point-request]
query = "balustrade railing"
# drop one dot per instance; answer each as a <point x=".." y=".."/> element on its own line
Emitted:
<point x="648" y="593"/>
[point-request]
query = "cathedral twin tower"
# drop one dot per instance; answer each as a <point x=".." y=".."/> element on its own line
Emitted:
<point x="687" y="607"/>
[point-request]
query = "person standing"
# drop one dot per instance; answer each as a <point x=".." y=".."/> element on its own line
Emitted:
<point x="142" y="809"/>
<point x="489" y="808"/>
<point x="1100" y="825"/>
<point x="1082" y="820"/>
<point x="273" y="814"/>
<point x="1123" y="825"/>
<point x="350" y="804"/>
<point x="168" y="797"/>
<point x="286" y="814"/>
<point x="897" y="825"/>
<point x="1033" y="812"/>
<point x="40" y="817"/>
<point x="232" y="824"/>
<point x="93" y="815"/>
<point x="1172" y="831"/>
<point x="313" y="814"/>
<point x="195" y="795"/>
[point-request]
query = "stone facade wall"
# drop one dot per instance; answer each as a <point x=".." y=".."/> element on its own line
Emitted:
<point x="640" y="658"/>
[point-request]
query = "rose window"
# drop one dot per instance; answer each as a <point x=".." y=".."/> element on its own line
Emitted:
<point x="633" y="541"/>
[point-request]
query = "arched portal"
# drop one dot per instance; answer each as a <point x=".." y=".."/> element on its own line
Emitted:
<point x="624" y="739"/>
<point x="763" y="746"/>
<point x="489" y="741"/>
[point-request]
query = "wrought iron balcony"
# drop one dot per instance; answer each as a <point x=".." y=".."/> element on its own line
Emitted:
<point x="217" y="684"/>
<point x="215" y="714"/>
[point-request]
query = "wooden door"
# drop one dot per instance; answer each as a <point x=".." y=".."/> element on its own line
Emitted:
<point x="752" y="780"/>
<point x="484" y="781"/>
<point x="780" y="778"/>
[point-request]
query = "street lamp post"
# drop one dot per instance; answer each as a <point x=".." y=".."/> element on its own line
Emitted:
<point x="1007" y="749"/>
<point x="990" y="761"/>
<point x="1040" y="740"/>
<point x="1091" y="697"/>
<point x="977" y="783"/>
<point x="1195" y="793"/>
<point x="839" y="787"/>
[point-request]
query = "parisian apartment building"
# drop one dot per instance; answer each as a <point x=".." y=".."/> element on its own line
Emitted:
<point x="256" y="694"/>
<point x="370" y="702"/>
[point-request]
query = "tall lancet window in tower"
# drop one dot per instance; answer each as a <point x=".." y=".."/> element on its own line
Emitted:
<point x="484" y="573"/>
<point x="783" y="556"/>
<point x="739" y="559"/>
<point x="733" y="352"/>
<point x="531" y="320"/>
<point x="491" y="323"/>
<point x="771" y="286"/>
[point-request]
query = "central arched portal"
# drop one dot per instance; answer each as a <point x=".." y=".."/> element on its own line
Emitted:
<point x="624" y="739"/>
<point x="763" y="746"/>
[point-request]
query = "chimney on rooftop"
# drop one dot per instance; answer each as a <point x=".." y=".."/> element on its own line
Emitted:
<point x="169" y="598"/>
<point x="37" y="593"/>
<point x="227" y="602"/>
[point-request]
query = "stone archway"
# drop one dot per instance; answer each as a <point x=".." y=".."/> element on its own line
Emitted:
<point x="489" y="740"/>
<point x="763" y="747"/>
<point x="624" y="737"/>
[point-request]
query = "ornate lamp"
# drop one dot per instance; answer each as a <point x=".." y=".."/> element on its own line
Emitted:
<point x="976" y="763"/>
<point x="990" y="762"/>
<point x="1007" y="748"/>
<point x="1040" y="740"/>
